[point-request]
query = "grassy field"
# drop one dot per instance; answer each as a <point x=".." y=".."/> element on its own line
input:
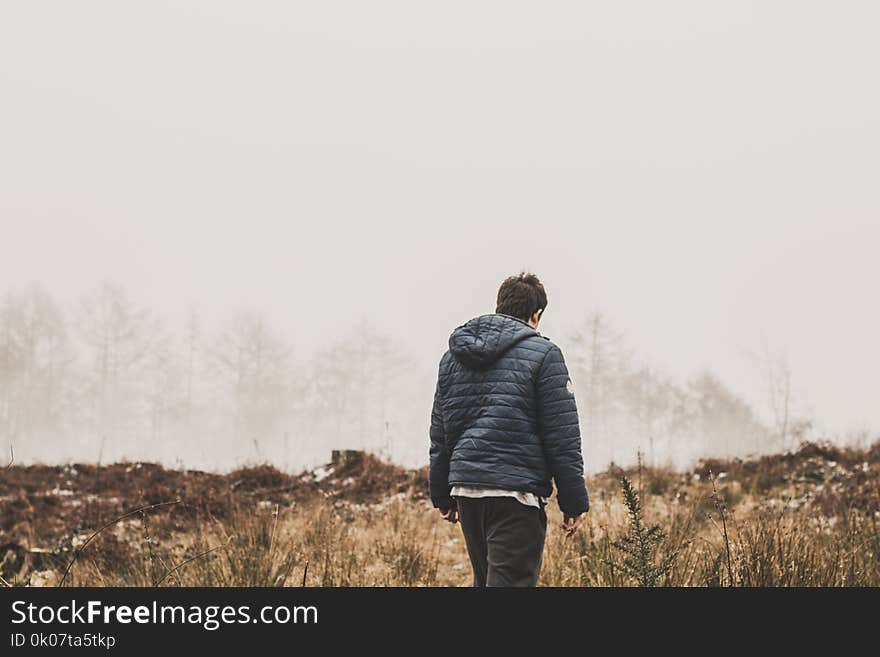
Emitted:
<point x="807" y="518"/>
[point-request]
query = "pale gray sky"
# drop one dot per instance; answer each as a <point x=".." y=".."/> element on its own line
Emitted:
<point x="706" y="172"/>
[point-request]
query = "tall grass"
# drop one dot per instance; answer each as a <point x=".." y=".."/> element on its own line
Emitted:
<point x="740" y="528"/>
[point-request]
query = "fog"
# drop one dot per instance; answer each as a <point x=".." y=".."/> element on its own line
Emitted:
<point x="704" y="175"/>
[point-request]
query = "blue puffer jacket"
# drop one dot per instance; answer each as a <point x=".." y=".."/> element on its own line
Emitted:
<point x="504" y="415"/>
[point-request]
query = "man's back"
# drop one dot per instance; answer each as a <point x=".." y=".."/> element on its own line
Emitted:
<point x="504" y="416"/>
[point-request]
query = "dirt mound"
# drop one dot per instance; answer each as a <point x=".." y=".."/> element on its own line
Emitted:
<point x="54" y="504"/>
<point x="833" y="480"/>
<point x="371" y="479"/>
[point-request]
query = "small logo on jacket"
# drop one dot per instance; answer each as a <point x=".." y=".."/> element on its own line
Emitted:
<point x="569" y="387"/>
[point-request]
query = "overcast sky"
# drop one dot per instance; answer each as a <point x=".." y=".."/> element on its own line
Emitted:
<point x="708" y="173"/>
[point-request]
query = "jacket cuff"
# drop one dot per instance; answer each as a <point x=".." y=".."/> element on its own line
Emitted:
<point x="443" y="503"/>
<point x="573" y="508"/>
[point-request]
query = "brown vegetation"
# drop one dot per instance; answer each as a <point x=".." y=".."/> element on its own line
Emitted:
<point x="806" y="518"/>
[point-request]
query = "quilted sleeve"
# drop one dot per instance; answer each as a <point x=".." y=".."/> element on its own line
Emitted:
<point x="560" y="433"/>
<point x="438" y="476"/>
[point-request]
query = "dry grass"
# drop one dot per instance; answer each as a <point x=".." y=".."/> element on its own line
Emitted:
<point x="810" y="518"/>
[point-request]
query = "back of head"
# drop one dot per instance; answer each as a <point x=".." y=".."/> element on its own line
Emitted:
<point x="483" y="340"/>
<point x="521" y="296"/>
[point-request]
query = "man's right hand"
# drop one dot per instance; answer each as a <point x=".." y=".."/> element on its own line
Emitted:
<point x="570" y="524"/>
<point x="450" y="515"/>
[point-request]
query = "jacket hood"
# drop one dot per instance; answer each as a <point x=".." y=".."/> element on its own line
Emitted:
<point x="482" y="340"/>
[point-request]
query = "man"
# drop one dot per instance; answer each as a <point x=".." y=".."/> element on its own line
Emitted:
<point x="504" y="423"/>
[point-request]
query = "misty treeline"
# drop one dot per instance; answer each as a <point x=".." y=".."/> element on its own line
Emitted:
<point x="103" y="378"/>
<point x="627" y="407"/>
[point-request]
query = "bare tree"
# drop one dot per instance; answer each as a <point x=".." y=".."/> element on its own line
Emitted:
<point x="113" y="330"/>
<point x="600" y="365"/>
<point x="9" y="366"/>
<point x="35" y="357"/>
<point x="778" y="378"/>
<point x="164" y="392"/>
<point x="789" y="425"/>
<point x="353" y="381"/>
<point x="193" y="340"/>
<point x="648" y="400"/>
<point x="253" y="361"/>
<point x="724" y="420"/>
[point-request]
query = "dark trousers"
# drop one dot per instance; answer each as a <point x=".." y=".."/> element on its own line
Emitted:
<point x="505" y="540"/>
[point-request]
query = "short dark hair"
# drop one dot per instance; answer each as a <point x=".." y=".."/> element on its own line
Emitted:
<point x="521" y="296"/>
